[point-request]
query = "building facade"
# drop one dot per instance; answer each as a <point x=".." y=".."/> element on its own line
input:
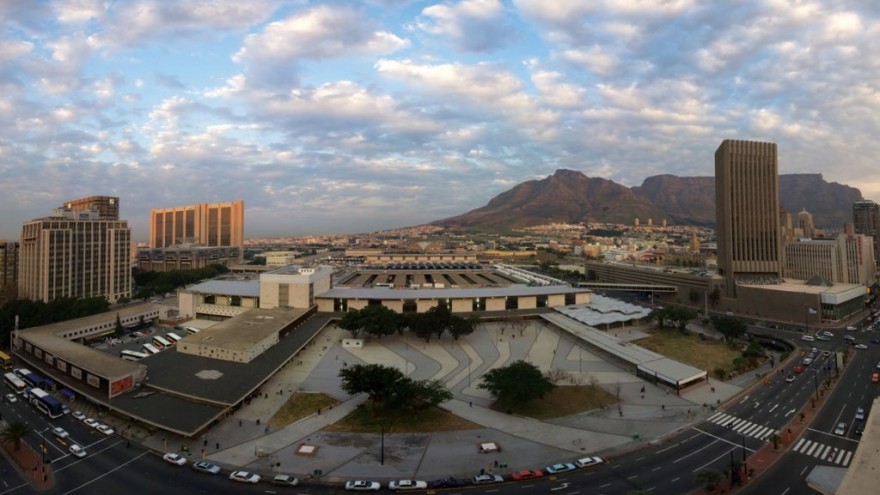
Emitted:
<point x="8" y="270"/>
<point x="106" y="206"/>
<point x="74" y="254"/>
<point x="866" y="220"/>
<point x="848" y="259"/>
<point x="186" y="257"/>
<point x="205" y="224"/>
<point x="747" y="213"/>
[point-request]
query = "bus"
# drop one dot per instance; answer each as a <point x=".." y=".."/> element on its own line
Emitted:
<point x="132" y="355"/>
<point x="160" y="342"/>
<point x="45" y="403"/>
<point x="31" y="378"/>
<point x="191" y="330"/>
<point x="5" y="361"/>
<point x="151" y="349"/>
<point x="173" y="337"/>
<point x="15" y="383"/>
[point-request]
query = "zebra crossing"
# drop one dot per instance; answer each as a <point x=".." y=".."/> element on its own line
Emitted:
<point x="827" y="453"/>
<point x="742" y="426"/>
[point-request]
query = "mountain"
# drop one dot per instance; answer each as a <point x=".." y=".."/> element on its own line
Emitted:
<point x="571" y="197"/>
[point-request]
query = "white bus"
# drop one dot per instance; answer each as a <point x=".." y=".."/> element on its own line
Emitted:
<point x="191" y="330"/>
<point x="15" y="383"/>
<point x="160" y="342"/>
<point x="45" y="403"/>
<point x="132" y="355"/>
<point x="173" y="337"/>
<point x="151" y="349"/>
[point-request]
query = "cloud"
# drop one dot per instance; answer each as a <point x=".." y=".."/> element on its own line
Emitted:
<point x="470" y="25"/>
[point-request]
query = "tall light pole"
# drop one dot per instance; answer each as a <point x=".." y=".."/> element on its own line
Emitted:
<point x="382" y="448"/>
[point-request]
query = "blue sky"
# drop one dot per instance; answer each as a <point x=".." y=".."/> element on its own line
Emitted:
<point x="345" y="116"/>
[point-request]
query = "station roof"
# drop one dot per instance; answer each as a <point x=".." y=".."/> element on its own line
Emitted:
<point x="451" y="293"/>
<point x="602" y="310"/>
<point x="242" y="332"/>
<point x="244" y="288"/>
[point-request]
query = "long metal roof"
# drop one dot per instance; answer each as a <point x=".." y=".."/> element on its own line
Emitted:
<point x="451" y="293"/>
<point x="246" y="288"/>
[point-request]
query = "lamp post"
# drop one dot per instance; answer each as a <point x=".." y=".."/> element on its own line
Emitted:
<point x="382" y="445"/>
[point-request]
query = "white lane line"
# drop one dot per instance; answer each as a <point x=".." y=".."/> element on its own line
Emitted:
<point x="824" y="452"/>
<point x="717" y="438"/>
<point x="812" y="448"/>
<point x="751" y="430"/>
<point x="846" y="459"/>
<point x="839" y="457"/>
<point x="797" y="446"/>
<point x="710" y="418"/>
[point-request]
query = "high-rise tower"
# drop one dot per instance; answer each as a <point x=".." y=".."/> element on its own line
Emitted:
<point x="747" y="213"/>
<point x="205" y="224"/>
<point x="866" y="221"/>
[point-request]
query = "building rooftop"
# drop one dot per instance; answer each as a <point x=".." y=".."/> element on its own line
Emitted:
<point x="451" y="293"/>
<point x="245" y="330"/>
<point x="245" y="288"/>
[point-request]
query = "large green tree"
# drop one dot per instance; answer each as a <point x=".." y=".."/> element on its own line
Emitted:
<point x="520" y="382"/>
<point x="15" y="432"/>
<point x="729" y="326"/>
<point x="673" y="316"/>
<point x="376" y="380"/>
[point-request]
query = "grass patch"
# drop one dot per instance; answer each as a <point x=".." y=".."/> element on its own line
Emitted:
<point x="363" y="420"/>
<point x="300" y="405"/>
<point x="565" y="401"/>
<point x="706" y="354"/>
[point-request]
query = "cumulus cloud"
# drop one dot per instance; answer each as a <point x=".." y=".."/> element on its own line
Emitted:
<point x="470" y="25"/>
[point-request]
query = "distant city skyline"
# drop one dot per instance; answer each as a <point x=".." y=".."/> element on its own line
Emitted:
<point x="346" y="117"/>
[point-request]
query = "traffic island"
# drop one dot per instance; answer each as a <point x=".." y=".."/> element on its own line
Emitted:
<point x="29" y="464"/>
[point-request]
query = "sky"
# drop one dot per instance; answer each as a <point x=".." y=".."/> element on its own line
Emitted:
<point x="353" y="116"/>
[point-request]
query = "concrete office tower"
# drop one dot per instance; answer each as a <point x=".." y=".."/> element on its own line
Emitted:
<point x="106" y="206"/>
<point x="8" y="270"/>
<point x="866" y="221"/>
<point x="805" y="224"/>
<point x="204" y="224"/>
<point x="747" y="213"/>
<point x="848" y="259"/>
<point x="74" y="254"/>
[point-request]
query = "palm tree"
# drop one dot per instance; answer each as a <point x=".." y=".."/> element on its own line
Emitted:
<point x="15" y="432"/>
<point x="709" y="477"/>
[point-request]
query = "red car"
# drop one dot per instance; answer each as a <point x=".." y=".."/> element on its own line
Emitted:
<point x="798" y="369"/>
<point x="527" y="474"/>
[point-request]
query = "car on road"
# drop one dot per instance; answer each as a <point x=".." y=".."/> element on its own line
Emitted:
<point x="285" y="480"/>
<point x="860" y="346"/>
<point x="562" y="467"/>
<point x="807" y="361"/>
<point x="790" y="378"/>
<point x="90" y="422"/>
<point x="526" y="474"/>
<point x="860" y="413"/>
<point x="798" y="369"/>
<point x="589" y="462"/>
<point x="11" y="398"/>
<point x="206" y="467"/>
<point x="875" y="377"/>
<point x="823" y="337"/>
<point x="77" y="450"/>
<point x="79" y="415"/>
<point x="362" y="486"/>
<point x="840" y="429"/>
<point x="808" y="338"/>
<point x="104" y="429"/>
<point x="849" y="338"/>
<point x="449" y="483"/>
<point x="858" y="429"/>
<point x="485" y="479"/>
<point x="60" y="432"/>
<point x="826" y="353"/>
<point x="826" y="333"/>
<point x="173" y="458"/>
<point x="875" y="341"/>
<point x="244" y="477"/>
<point x="407" y="485"/>
<point x="851" y="329"/>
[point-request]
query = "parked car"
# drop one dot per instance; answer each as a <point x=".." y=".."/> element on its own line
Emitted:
<point x="849" y="338"/>
<point x="244" y="477"/>
<point x="840" y="429"/>
<point x="60" y="432"/>
<point x="285" y="480"/>
<point x="407" y="485"/>
<point x="827" y="333"/>
<point x="860" y="413"/>
<point x="79" y="415"/>
<point x="90" y="422"/>
<point x="11" y="398"/>
<point x="823" y="337"/>
<point x="362" y="486"/>
<point x="104" y="429"/>
<point x="589" y="462"/>
<point x="808" y="338"/>
<point x="875" y="378"/>
<point x="860" y="346"/>
<point x="859" y="428"/>
<point x="449" y="483"/>
<point x="485" y="479"/>
<point x="206" y="467"/>
<point x="173" y="458"/>
<point x="526" y="474"/>
<point x="77" y="450"/>
<point x="851" y="329"/>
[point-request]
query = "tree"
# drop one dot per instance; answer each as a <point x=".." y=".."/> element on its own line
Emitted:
<point x="419" y="395"/>
<point x="518" y="383"/>
<point x="672" y="316"/>
<point x="709" y="477"/>
<point x="459" y="326"/>
<point x="15" y="432"/>
<point x="376" y="380"/>
<point x="729" y="326"/>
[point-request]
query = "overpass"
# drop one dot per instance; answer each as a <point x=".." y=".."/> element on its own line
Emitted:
<point x="629" y="287"/>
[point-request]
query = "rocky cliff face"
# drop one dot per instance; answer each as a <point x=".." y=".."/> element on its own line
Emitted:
<point x="570" y="196"/>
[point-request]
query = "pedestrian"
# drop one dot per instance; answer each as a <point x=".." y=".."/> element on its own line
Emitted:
<point x="266" y="429"/>
<point x="218" y="445"/>
<point x="662" y="407"/>
<point x="470" y="404"/>
<point x="319" y="410"/>
<point x="239" y="423"/>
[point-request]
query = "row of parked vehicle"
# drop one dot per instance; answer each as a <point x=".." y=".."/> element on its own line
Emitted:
<point x="480" y="479"/>
<point x="238" y="475"/>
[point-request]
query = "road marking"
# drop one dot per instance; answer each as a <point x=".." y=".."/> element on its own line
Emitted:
<point x="797" y="446"/>
<point x="789" y="413"/>
<point x="716" y="438"/>
<point x="673" y="480"/>
<point x="824" y="452"/>
<point x="712" y="417"/>
<point x="108" y="473"/>
<point x="773" y="408"/>
<point x="839" y="456"/>
<point x="563" y="487"/>
<point x="812" y="448"/>
<point x="846" y="458"/>
<point x="744" y="399"/>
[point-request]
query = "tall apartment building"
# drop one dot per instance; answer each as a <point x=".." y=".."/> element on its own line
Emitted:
<point x="866" y="220"/>
<point x="747" y="213"/>
<point x="204" y="224"/>
<point x="106" y="206"/>
<point x="8" y="270"/>
<point x="848" y="259"/>
<point x="74" y="254"/>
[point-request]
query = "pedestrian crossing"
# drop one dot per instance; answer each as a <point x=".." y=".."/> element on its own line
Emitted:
<point x="741" y="426"/>
<point x="827" y="453"/>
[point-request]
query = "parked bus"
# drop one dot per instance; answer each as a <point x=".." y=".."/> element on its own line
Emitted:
<point x="151" y="349"/>
<point x="173" y="337"/>
<point x="15" y="383"/>
<point x="31" y="378"/>
<point x="132" y="355"/>
<point x="45" y="403"/>
<point x="191" y="330"/>
<point x="160" y="342"/>
<point x="5" y="361"/>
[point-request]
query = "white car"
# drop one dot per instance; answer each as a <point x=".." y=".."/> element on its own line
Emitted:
<point x="104" y="429"/>
<point x="485" y="479"/>
<point x="589" y="461"/>
<point x="408" y="485"/>
<point x="827" y="333"/>
<point x="60" y="432"/>
<point x="90" y="422"/>
<point x="77" y="450"/>
<point x="363" y="486"/>
<point x="11" y="398"/>
<point x="860" y="346"/>
<point x="173" y="458"/>
<point x="245" y="477"/>
<point x="79" y="415"/>
<point x="840" y="429"/>
<point x="206" y="467"/>
<point x="808" y="338"/>
<point x="860" y="413"/>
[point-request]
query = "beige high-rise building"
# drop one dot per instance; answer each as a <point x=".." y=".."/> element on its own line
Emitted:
<point x="848" y="259"/>
<point x="747" y="213"/>
<point x="204" y="224"/>
<point x="74" y="254"/>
